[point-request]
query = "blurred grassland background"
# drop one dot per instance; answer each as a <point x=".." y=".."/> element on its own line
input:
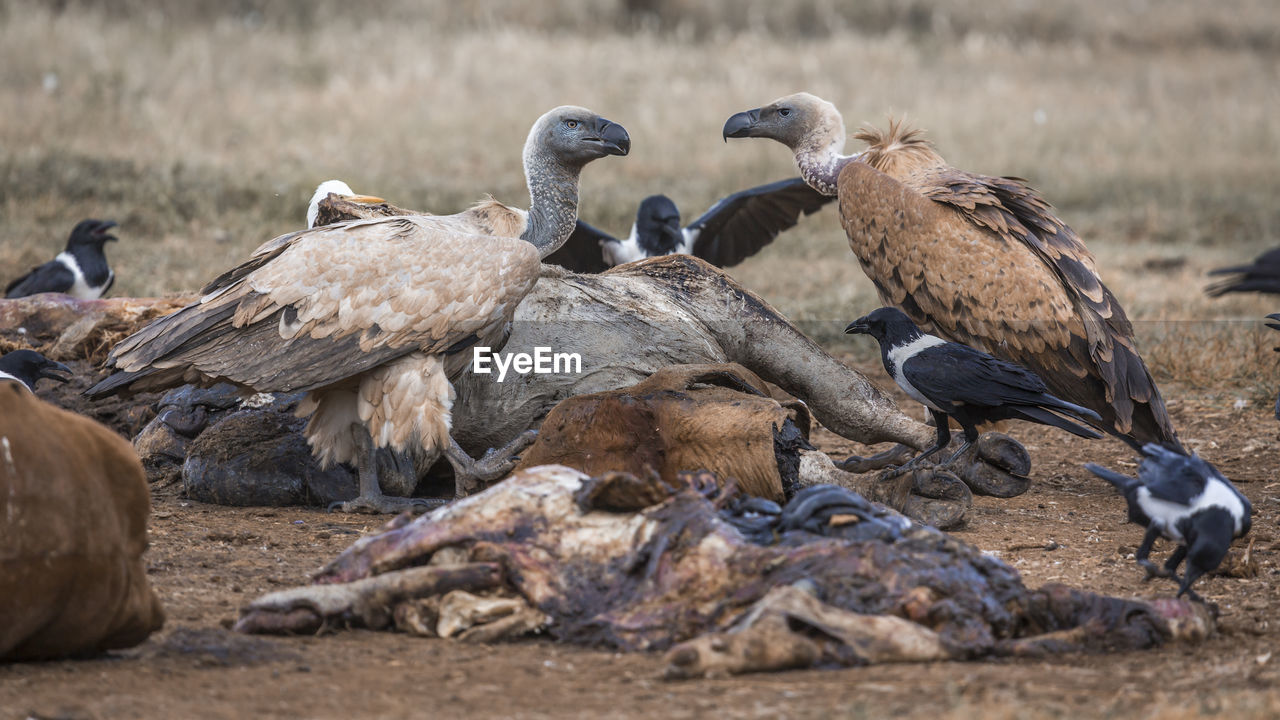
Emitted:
<point x="203" y="127"/>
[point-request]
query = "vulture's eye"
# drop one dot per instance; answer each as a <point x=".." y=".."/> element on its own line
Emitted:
<point x="571" y="124"/>
<point x="784" y="111"/>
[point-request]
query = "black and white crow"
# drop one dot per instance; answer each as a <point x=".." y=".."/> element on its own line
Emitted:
<point x="29" y="366"/>
<point x="954" y="380"/>
<point x="734" y="229"/>
<point x="81" y="270"/>
<point x="1262" y="276"/>
<point x="1188" y="501"/>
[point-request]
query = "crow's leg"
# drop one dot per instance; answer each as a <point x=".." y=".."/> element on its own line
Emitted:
<point x="1142" y="556"/>
<point x="371" y="499"/>
<point x="471" y="475"/>
<point x="943" y="439"/>
<point x="1193" y="574"/>
<point x="970" y="437"/>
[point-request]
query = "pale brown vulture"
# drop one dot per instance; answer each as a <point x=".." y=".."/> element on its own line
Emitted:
<point x="374" y="318"/>
<point x="980" y="260"/>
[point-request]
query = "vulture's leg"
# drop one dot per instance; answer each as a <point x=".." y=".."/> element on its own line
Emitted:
<point x="371" y="499"/>
<point x="1144" y="552"/>
<point x="471" y="475"/>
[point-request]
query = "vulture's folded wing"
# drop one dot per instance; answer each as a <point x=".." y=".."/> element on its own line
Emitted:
<point x="738" y="226"/>
<point x="329" y="303"/>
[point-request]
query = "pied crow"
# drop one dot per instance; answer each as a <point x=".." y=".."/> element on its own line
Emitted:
<point x="1188" y="501"/>
<point x="29" y="366"/>
<point x="954" y="380"/>
<point x="1262" y="276"/>
<point x="81" y="270"/>
<point x="734" y="229"/>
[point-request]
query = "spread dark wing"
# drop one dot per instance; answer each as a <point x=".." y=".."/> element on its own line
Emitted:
<point x="52" y="276"/>
<point x="581" y="252"/>
<point x="957" y="374"/>
<point x="738" y="226"/>
<point x="1263" y="276"/>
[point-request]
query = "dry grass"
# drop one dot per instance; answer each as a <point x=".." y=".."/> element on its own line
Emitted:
<point x="202" y="127"/>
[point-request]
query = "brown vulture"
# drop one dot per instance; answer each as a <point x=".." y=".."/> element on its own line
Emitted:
<point x="980" y="260"/>
<point x="374" y="318"/>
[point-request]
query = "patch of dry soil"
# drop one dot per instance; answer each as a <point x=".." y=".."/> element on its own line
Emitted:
<point x="1070" y="527"/>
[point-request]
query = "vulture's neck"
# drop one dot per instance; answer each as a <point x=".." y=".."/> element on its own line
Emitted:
<point x="553" y="208"/>
<point x="821" y="158"/>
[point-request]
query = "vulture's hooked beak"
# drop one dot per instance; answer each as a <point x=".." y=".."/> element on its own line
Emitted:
<point x="52" y="369"/>
<point x="858" y="327"/>
<point x="612" y="136"/>
<point x="741" y="125"/>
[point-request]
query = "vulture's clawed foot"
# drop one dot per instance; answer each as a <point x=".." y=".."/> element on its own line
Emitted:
<point x="386" y="505"/>
<point x="997" y="466"/>
<point x="472" y="476"/>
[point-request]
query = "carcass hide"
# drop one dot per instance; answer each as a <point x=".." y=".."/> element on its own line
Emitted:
<point x="629" y="563"/>
<point x="72" y="532"/>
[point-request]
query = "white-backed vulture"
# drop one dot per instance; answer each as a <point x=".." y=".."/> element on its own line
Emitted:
<point x="81" y="270"/>
<point x="979" y="260"/>
<point x="735" y="228"/>
<point x="335" y="187"/>
<point x="374" y="318"/>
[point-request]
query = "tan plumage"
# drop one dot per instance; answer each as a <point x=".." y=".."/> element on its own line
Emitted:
<point x="983" y="261"/>
<point x="373" y="317"/>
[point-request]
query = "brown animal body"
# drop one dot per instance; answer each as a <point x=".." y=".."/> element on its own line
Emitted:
<point x="73" y="528"/>
<point x="974" y="259"/>
<point x="687" y="417"/>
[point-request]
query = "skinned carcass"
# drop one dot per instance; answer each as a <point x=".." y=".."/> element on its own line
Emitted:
<point x="633" y="564"/>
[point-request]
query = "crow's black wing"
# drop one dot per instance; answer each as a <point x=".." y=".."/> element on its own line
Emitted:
<point x="957" y="373"/>
<point x="736" y="227"/>
<point x="1263" y="276"/>
<point x="581" y="252"/>
<point x="52" y="276"/>
<point x="1172" y="476"/>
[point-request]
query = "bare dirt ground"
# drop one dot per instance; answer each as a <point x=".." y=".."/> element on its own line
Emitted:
<point x="207" y="560"/>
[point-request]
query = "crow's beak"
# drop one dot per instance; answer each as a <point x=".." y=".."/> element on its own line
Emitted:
<point x="858" y="327"/>
<point x="613" y="137"/>
<point x="1274" y="325"/>
<point x="102" y="229"/>
<point x="741" y="125"/>
<point x="51" y="370"/>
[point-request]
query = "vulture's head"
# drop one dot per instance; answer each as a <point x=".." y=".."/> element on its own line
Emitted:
<point x="335" y="187"/>
<point x="801" y="122"/>
<point x="572" y="137"/>
<point x="658" y="220"/>
<point x="91" y="233"/>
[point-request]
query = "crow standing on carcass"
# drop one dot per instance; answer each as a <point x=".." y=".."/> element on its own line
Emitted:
<point x="956" y="381"/>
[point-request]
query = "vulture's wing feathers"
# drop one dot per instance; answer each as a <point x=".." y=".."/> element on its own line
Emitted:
<point x="738" y="226"/>
<point x="582" y="253"/>
<point x="315" y="307"/>
<point x="1263" y="276"/>
<point x="52" y="276"/>
<point x="949" y="240"/>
